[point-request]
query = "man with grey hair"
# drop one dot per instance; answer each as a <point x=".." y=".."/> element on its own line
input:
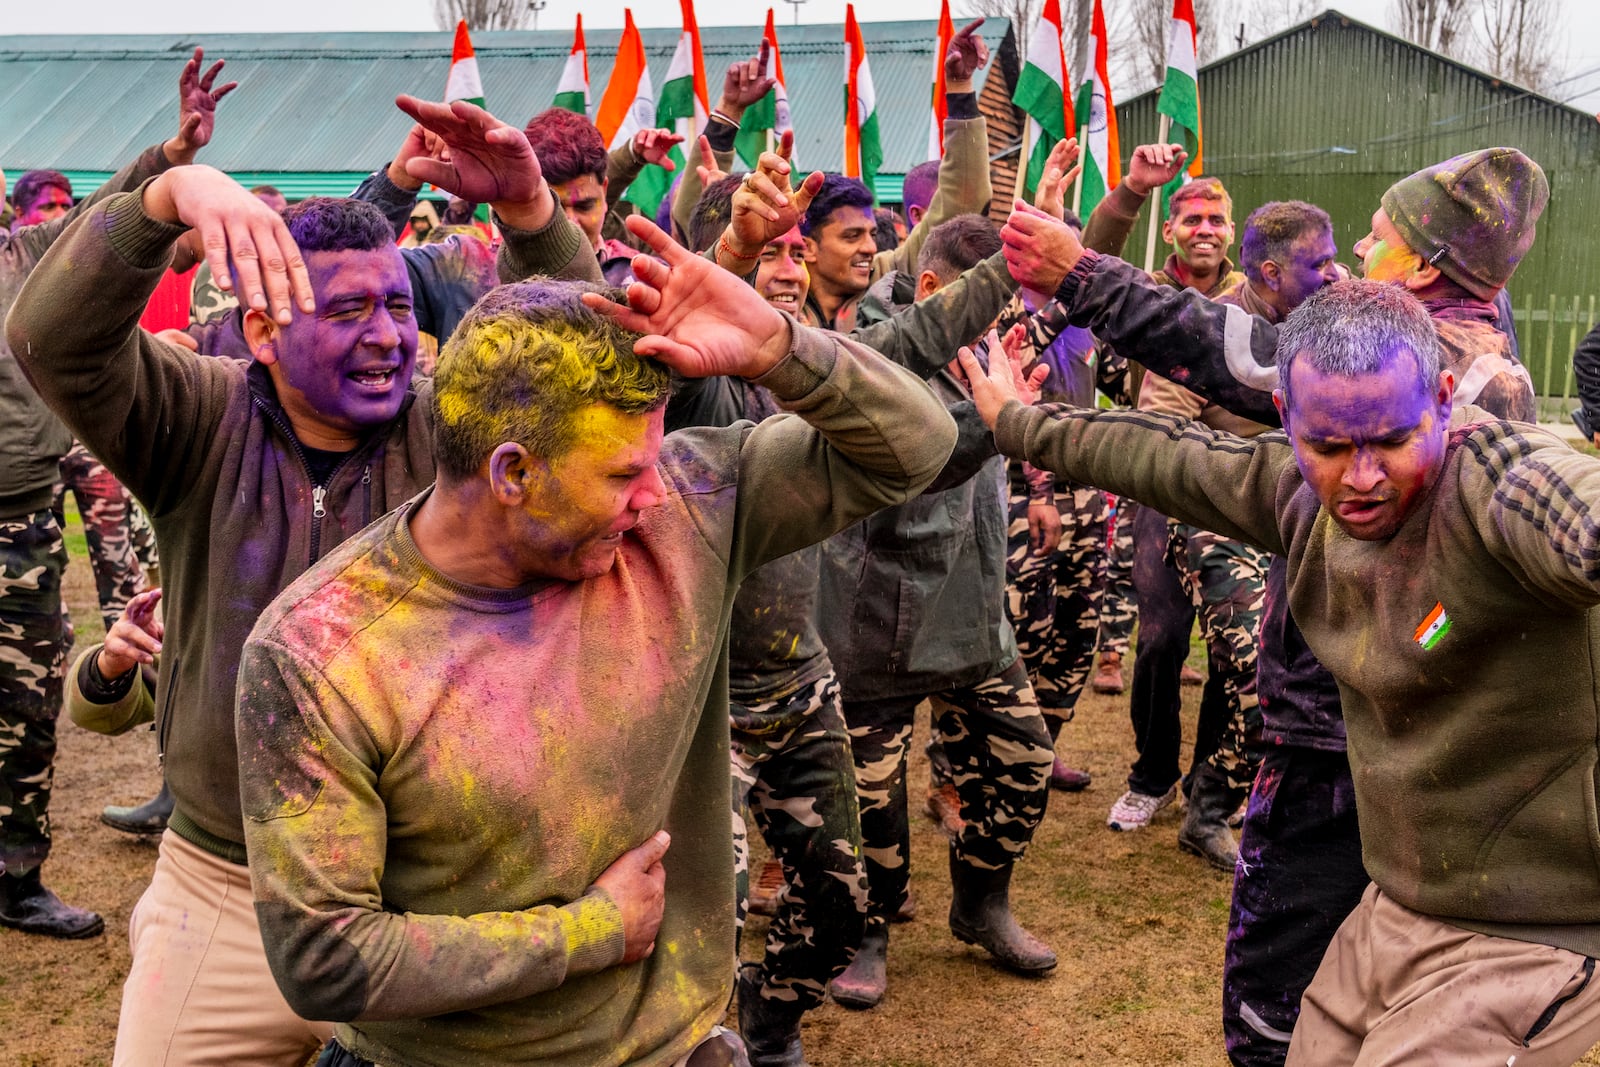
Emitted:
<point x="1417" y="535"/>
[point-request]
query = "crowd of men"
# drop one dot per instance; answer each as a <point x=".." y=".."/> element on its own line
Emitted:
<point x="510" y="575"/>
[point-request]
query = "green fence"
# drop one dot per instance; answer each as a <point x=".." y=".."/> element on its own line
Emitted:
<point x="1549" y="329"/>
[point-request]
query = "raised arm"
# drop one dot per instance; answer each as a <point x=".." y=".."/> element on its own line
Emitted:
<point x="491" y="162"/>
<point x="145" y="407"/>
<point x="744" y="84"/>
<point x="1218" y="350"/>
<point x="963" y="187"/>
<point x="1149" y="168"/>
<point x="870" y="434"/>
<point x="1197" y="475"/>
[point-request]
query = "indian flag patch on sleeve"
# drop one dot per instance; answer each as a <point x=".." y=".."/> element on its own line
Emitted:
<point x="1434" y="627"/>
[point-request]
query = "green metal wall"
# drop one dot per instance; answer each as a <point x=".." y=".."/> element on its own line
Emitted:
<point x="1283" y="122"/>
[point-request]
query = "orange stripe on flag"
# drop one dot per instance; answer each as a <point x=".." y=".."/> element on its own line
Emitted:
<point x="1433" y="616"/>
<point x="625" y="74"/>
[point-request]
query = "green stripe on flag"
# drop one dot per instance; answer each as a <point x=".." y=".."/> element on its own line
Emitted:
<point x="653" y="184"/>
<point x="757" y="119"/>
<point x="570" y="102"/>
<point x="1040" y="96"/>
<point x="871" y="153"/>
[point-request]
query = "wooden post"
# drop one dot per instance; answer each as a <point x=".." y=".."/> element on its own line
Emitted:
<point x="1077" y="187"/>
<point x="1019" y="190"/>
<point x="1549" y="343"/>
<point x="1572" y="346"/>
<point x="1155" y="204"/>
<point x="1527" y="319"/>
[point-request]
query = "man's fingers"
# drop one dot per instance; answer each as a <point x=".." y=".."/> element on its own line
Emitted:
<point x="706" y="155"/>
<point x="644" y="295"/>
<point x="218" y="94"/>
<point x="274" y="266"/>
<point x="970" y="365"/>
<point x="658" y="240"/>
<point x="786" y="145"/>
<point x="210" y="75"/>
<point x="969" y="29"/>
<point x="679" y="357"/>
<point x="808" y="191"/>
<point x="621" y="314"/>
<point x="434" y="172"/>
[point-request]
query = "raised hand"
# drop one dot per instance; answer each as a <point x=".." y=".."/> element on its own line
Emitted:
<point x="197" y="108"/>
<point x="966" y="54"/>
<point x="707" y="171"/>
<point x="480" y="159"/>
<point x="246" y="242"/>
<point x="1061" y="169"/>
<point x="134" y="639"/>
<point x="696" y="317"/>
<point x="1154" y="165"/>
<point x="419" y="143"/>
<point x="1002" y="381"/>
<point x="766" y="206"/>
<point x="653" y="146"/>
<point x="636" y="882"/>
<point x="1039" y="248"/>
<point x="745" y="83"/>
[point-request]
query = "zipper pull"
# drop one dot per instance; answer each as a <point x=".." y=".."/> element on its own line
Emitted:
<point x="366" y="475"/>
<point x="318" y="494"/>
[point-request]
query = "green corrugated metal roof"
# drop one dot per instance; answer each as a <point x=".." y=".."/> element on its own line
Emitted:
<point x="313" y="109"/>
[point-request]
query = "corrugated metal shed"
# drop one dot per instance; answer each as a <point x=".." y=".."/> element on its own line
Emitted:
<point x="1334" y="111"/>
<point x="317" y="110"/>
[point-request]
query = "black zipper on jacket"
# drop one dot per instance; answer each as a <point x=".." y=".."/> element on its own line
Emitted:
<point x="319" y="493"/>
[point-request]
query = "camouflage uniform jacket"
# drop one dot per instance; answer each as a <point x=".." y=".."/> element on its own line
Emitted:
<point x="32" y="439"/>
<point x="1228" y="356"/>
<point x="205" y="446"/>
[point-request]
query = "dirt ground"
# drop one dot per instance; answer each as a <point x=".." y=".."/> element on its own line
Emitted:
<point x="1138" y="926"/>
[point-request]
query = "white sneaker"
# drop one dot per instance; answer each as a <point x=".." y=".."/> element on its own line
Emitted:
<point x="1135" y="810"/>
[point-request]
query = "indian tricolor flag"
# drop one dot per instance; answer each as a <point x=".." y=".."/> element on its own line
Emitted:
<point x="629" y="103"/>
<point x="573" y="91"/>
<point x="1432" y="629"/>
<point x="463" y="83"/>
<point x="770" y="114"/>
<point x="1041" y="93"/>
<point x="1180" y="93"/>
<point x="947" y="32"/>
<point x="683" y="107"/>
<point x="863" y="152"/>
<point x="1102" y="152"/>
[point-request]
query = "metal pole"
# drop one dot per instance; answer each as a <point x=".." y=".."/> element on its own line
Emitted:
<point x="1155" y="204"/>
<point x="1077" y="187"/>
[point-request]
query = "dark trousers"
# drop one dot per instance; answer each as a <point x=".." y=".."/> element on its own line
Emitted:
<point x="1299" y="876"/>
<point x="1166" y="617"/>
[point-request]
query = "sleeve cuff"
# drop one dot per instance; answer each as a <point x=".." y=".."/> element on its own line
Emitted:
<point x="1125" y="202"/>
<point x="810" y="361"/>
<point x="556" y="243"/>
<point x="143" y="243"/>
<point x="721" y="135"/>
<point x="595" y="938"/>
<point x="961" y="106"/>
<point x="1067" y="291"/>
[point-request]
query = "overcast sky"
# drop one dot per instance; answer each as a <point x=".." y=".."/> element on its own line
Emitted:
<point x="1580" y="19"/>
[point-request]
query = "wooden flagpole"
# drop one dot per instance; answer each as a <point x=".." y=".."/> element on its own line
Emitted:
<point x="1155" y="204"/>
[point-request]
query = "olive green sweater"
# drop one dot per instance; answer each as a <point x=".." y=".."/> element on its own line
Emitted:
<point x="1475" y="749"/>
<point x="433" y="775"/>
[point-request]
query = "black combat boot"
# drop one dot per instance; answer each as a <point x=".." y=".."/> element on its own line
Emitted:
<point x="1205" y="826"/>
<point x="770" y="1028"/>
<point x="863" y="983"/>
<point x="980" y="914"/>
<point x="147" y="818"/>
<point x="26" y="905"/>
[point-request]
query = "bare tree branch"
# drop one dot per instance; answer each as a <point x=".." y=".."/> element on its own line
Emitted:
<point x="482" y="14"/>
<point x="1518" y="41"/>
<point x="1442" y="25"/>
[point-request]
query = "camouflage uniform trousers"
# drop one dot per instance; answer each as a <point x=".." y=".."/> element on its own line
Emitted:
<point x="1054" y="600"/>
<point x="1227" y="582"/>
<point x="1000" y="756"/>
<point x="1119" y="608"/>
<point x="793" y="771"/>
<point x="34" y="640"/>
<point x="106" y="508"/>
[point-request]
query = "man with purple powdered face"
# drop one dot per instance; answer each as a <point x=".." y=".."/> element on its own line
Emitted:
<point x="1418" y="534"/>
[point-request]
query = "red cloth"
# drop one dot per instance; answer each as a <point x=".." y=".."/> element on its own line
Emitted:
<point x="169" y="304"/>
